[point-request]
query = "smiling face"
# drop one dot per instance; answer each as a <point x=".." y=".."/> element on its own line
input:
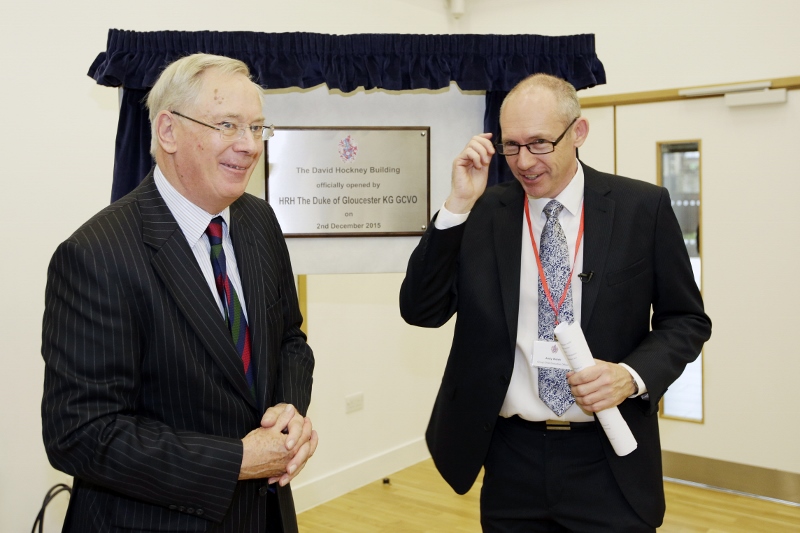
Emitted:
<point x="532" y="114"/>
<point x="209" y="171"/>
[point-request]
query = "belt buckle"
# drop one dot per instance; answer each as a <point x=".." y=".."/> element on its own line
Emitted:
<point x="557" y="425"/>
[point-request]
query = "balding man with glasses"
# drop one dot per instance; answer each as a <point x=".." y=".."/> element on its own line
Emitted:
<point x="177" y="377"/>
<point x="562" y="243"/>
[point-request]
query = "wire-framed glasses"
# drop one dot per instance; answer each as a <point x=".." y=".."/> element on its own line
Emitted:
<point x="230" y="131"/>
<point x="537" y="147"/>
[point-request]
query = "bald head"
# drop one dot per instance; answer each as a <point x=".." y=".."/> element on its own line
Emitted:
<point x="567" y="105"/>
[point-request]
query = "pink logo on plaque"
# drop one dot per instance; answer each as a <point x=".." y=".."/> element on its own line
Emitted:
<point x="348" y="149"/>
<point x="554" y="349"/>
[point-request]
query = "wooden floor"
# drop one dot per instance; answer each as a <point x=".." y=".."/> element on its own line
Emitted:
<point x="417" y="500"/>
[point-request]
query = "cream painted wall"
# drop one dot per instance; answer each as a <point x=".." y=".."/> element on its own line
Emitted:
<point x="598" y="149"/>
<point x="59" y="127"/>
<point x="750" y="225"/>
<point x="362" y="345"/>
<point x="660" y="45"/>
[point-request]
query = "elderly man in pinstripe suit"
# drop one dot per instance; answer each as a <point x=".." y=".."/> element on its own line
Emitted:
<point x="165" y="422"/>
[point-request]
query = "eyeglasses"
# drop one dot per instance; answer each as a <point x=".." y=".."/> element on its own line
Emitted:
<point x="230" y="131"/>
<point x="537" y="147"/>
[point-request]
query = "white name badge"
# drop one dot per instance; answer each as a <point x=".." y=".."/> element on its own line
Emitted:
<point x="549" y="354"/>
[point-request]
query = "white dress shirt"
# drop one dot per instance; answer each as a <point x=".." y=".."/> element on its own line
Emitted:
<point x="193" y="221"/>
<point x="522" y="397"/>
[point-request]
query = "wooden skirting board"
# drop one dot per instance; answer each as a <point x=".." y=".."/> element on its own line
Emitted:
<point x="751" y="480"/>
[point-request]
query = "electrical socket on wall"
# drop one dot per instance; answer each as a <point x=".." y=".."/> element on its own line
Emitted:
<point x="354" y="402"/>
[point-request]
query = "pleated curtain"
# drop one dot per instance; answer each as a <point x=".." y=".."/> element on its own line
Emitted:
<point x="492" y="63"/>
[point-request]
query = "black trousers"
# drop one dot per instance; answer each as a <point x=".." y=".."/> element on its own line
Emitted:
<point x="552" y="480"/>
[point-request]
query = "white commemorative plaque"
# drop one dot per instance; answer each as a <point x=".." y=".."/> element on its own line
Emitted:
<point x="349" y="181"/>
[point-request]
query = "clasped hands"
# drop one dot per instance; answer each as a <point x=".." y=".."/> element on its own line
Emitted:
<point x="279" y="449"/>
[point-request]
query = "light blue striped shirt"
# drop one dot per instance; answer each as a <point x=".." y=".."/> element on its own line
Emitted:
<point x="193" y="221"/>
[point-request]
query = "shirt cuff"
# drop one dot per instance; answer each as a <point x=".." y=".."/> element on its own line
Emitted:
<point x="637" y="378"/>
<point x="446" y="219"/>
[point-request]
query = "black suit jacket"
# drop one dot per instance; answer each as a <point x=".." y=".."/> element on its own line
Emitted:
<point x="145" y="400"/>
<point x="634" y="246"/>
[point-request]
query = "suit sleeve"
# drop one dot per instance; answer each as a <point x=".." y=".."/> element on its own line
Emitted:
<point x="92" y="427"/>
<point x="429" y="293"/>
<point x="679" y="325"/>
<point x="296" y="357"/>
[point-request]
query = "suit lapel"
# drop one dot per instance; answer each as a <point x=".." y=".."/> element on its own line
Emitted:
<point x="507" y="226"/>
<point x="251" y="267"/>
<point x="599" y="213"/>
<point x="176" y="266"/>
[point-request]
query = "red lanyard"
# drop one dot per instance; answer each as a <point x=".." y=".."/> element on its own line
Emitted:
<point x="539" y="262"/>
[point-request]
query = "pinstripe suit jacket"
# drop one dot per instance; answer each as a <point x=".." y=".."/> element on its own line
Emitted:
<point x="145" y="401"/>
<point x="634" y="246"/>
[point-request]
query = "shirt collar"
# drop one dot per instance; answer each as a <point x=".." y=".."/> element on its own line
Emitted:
<point x="571" y="197"/>
<point x="192" y="219"/>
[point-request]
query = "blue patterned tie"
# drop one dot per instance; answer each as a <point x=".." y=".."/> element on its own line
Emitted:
<point x="554" y="253"/>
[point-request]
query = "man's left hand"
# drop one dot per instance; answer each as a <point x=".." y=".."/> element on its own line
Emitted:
<point x="301" y="439"/>
<point x="600" y="386"/>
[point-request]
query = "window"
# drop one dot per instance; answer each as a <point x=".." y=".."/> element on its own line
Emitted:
<point x="679" y="173"/>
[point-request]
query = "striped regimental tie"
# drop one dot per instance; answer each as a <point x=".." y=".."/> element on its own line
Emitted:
<point x="234" y="314"/>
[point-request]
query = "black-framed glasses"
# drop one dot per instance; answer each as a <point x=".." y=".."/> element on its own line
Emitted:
<point x="537" y="147"/>
<point x="230" y="131"/>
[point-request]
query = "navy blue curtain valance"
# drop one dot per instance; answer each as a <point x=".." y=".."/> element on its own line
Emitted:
<point x="492" y="63"/>
<point x="388" y="61"/>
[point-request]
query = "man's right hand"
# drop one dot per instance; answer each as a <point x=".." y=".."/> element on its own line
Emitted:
<point x="301" y="439"/>
<point x="265" y="452"/>
<point x="470" y="174"/>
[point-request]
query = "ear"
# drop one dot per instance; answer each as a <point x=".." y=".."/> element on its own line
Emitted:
<point x="165" y="131"/>
<point x="581" y="129"/>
